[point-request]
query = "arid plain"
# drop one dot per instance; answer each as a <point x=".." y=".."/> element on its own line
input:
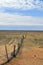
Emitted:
<point x="31" y="52"/>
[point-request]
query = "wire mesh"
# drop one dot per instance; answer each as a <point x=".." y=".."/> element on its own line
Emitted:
<point x="7" y="50"/>
<point x="3" y="54"/>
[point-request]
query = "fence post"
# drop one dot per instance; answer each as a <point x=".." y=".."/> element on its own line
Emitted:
<point x="14" y="48"/>
<point x="14" y="54"/>
<point x="6" y="52"/>
<point x="18" y="46"/>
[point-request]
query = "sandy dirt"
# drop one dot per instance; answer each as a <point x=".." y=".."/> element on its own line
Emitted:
<point x="33" y="56"/>
<point x="30" y="54"/>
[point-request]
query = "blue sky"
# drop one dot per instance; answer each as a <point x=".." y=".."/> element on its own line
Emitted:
<point x="21" y="14"/>
<point x="30" y="28"/>
<point x="32" y="12"/>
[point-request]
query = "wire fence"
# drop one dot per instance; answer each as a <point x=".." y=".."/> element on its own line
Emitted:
<point x="5" y="53"/>
<point x="8" y="51"/>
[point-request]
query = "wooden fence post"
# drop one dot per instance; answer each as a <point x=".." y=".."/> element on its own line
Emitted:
<point x="14" y="48"/>
<point x="18" y="46"/>
<point x="14" y="54"/>
<point x="6" y="52"/>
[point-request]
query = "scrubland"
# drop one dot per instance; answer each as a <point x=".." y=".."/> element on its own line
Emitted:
<point x="31" y="52"/>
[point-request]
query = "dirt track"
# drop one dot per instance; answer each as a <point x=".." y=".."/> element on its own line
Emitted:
<point x="29" y="57"/>
<point x="31" y="53"/>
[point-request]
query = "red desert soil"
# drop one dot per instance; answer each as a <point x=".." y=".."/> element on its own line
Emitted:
<point x="32" y="56"/>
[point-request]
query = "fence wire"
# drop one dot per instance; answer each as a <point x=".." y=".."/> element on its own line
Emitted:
<point x="7" y="51"/>
<point x="4" y="54"/>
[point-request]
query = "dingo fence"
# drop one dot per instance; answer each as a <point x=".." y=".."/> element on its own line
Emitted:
<point x="10" y="50"/>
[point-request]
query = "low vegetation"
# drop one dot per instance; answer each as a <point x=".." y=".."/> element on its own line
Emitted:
<point x="32" y="48"/>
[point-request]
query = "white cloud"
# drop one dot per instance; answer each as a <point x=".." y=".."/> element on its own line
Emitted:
<point x="23" y="4"/>
<point x="9" y="19"/>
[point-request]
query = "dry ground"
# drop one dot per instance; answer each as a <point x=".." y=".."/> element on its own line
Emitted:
<point x="30" y="57"/>
<point x="32" y="51"/>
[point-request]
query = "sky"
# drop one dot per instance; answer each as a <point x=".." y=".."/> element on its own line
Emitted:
<point x="21" y="14"/>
